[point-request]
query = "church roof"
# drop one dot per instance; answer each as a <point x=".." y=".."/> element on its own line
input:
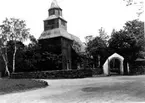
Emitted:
<point x="77" y="39"/>
<point x="55" y="33"/>
<point x="59" y="32"/>
<point x="54" y="17"/>
<point x="54" y="4"/>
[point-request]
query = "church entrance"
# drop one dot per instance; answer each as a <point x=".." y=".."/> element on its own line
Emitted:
<point x="114" y="66"/>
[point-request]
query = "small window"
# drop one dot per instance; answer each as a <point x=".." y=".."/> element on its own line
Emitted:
<point x="59" y="13"/>
<point x="51" y="12"/>
<point x="56" y="12"/>
<point x="63" y="23"/>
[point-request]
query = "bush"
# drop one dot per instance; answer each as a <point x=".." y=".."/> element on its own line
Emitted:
<point x="136" y="70"/>
<point x="54" y="74"/>
<point x="97" y="71"/>
<point x="137" y="67"/>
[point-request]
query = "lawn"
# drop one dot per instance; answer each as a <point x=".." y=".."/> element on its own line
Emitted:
<point x="17" y="85"/>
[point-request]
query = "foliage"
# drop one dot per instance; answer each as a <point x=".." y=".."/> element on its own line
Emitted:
<point x="138" y="3"/>
<point x="124" y="44"/>
<point x="89" y="38"/>
<point x="129" y="41"/>
<point x="96" y="48"/>
<point x="32" y="58"/>
<point x="15" y="30"/>
<point x="103" y="35"/>
<point x="3" y="47"/>
<point x="57" y="74"/>
<point x="21" y="48"/>
<point x="137" y="67"/>
<point x="135" y="27"/>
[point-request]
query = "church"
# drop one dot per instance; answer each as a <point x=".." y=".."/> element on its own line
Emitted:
<point x="56" y="39"/>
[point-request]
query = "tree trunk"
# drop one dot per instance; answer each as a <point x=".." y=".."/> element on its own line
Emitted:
<point x="14" y="57"/>
<point x="98" y="60"/>
<point x="6" y="65"/>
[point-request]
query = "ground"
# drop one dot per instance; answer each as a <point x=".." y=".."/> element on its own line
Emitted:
<point x="114" y="89"/>
<point x="14" y="85"/>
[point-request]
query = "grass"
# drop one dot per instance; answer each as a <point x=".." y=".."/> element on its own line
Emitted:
<point x="17" y="85"/>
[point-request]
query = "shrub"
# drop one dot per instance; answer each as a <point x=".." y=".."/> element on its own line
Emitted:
<point x="97" y="71"/>
<point x="136" y="70"/>
<point x="54" y="74"/>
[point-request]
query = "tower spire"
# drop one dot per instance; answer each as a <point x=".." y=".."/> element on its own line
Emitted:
<point x="54" y="4"/>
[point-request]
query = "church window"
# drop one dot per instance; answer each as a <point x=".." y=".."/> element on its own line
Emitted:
<point x="52" y="12"/>
<point x="59" y="13"/>
<point x="63" y="23"/>
<point x="56" y="12"/>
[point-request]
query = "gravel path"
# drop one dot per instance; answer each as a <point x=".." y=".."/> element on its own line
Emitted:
<point x="117" y="89"/>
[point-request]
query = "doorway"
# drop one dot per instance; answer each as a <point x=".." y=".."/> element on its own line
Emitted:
<point x="114" y="66"/>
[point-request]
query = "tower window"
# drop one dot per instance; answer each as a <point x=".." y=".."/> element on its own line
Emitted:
<point x="59" y="13"/>
<point x="63" y="23"/>
<point x="51" y="12"/>
<point x="56" y="12"/>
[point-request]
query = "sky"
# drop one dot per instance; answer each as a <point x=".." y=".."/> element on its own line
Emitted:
<point x="84" y="17"/>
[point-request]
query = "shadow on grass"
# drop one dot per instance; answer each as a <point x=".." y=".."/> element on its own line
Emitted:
<point x="20" y="85"/>
<point x="134" y="89"/>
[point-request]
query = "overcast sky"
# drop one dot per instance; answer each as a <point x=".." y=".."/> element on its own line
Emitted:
<point x="84" y="17"/>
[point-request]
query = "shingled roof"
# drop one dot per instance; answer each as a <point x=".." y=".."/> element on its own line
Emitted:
<point x="54" y="17"/>
<point x="55" y="33"/>
<point x="60" y="32"/>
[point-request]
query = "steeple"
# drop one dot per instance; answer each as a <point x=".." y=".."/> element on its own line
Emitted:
<point x="54" y="4"/>
<point x="55" y="9"/>
<point x="55" y="19"/>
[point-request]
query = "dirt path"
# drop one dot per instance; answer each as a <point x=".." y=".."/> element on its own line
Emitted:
<point x="119" y="89"/>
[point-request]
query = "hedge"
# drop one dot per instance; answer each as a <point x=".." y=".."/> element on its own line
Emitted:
<point x="137" y="70"/>
<point x="57" y="74"/>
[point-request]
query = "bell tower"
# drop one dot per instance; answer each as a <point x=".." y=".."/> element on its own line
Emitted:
<point x="55" y="18"/>
<point x="55" y="39"/>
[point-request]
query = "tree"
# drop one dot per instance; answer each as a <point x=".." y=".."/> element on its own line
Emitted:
<point x="136" y="28"/>
<point x="125" y="44"/>
<point x="3" y="47"/>
<point x="16" y="31"/>
<point x="21" y="48"/>
<point x="103" y="35"/>
<point x="130" y="41"/>
<point x="89" y="38"/>
<point x="96" y="48"/>
<point x="33" y="41"/>
<point x="138" y="3"/>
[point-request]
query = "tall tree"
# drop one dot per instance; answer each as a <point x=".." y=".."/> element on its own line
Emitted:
<point x="130" y="41"/>
<point x="3" y="47"/>
<point x="16" y="31"/>
<point x="124" y="44"/>
<point x="136" y="28"/>
<point x="96" y="48"/>
<point x="103" y="35"/>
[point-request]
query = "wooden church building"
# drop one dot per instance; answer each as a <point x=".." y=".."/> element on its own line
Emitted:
<point x="55" y="38"/>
